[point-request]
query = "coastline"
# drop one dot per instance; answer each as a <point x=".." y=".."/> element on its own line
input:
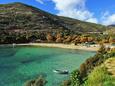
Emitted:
<point x="94" y="47"/>
<point x="60" y="45"/>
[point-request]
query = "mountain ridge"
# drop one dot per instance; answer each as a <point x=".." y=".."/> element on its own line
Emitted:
<point x="21" y="16"/>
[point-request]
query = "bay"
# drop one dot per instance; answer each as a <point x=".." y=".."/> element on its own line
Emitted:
<point x="23" y="63"/>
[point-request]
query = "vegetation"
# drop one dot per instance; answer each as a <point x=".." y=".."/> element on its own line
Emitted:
<point x="40" y="81"/>
<point x="80" y="26"/>
<point x="81" y="76"/>
<point x="76" y="79"/>
<point x="26" y="36"/>
<point x="100" y="77"/>
<point x="22" y="16"/>
<point x="110" y="65"/>
<point x="22" y="23"/>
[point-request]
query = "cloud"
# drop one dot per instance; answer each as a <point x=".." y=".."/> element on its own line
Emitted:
<point x="77" y="9"/>
<point x="40" y="1"/>
<point x="92" y="20"/>
<point x="74" y="9"/>
<point x="108" y="18"/>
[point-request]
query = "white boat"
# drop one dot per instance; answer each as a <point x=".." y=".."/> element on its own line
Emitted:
<point x="61" y="71"/>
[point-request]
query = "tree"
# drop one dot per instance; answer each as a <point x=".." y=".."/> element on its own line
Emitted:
<point x="102" y="49"/>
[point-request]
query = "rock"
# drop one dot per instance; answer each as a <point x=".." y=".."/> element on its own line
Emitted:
<point x="40" y="81"/>
<point x="30" y="83"/>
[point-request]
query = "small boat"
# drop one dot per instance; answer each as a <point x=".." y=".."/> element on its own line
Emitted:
<point x="61" y="71"/>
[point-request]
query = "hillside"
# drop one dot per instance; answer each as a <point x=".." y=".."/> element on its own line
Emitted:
<point x="21" y="16"/>
<point x="110" y="65"/>
<point x="111" y="25"/>
<point x="82" y="26"/>
<point x="110" y="30"/>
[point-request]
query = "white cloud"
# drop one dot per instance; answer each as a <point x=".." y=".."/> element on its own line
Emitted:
<point x="74" y="9"/>
<point x="77" y="9"/>
<point x="108" y="18"/>
<point x="63" y="5"/>
<point x="92" y="20"/>
<point x="40" y="1"/>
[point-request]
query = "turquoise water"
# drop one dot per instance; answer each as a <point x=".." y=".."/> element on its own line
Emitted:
<point x="20" y="64"/>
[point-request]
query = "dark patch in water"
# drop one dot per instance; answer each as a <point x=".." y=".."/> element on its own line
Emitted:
<point x="13" y="78"/>
<point x="27" y="61"/>
<point x="37" y="59"/>
<point x="7" y="55"/>
<point x="7" y="52"/>
<point x="44" y="57"/>
<point x="7" y="67"/>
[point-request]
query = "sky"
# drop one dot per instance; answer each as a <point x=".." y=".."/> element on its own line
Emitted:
<point x="95" y="11"/>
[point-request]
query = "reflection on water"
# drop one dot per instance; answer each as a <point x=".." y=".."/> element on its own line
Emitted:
<point x="23" y="63"/>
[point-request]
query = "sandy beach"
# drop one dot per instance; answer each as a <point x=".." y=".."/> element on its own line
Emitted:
<point x="94" y="47"/>
<point x="67" y="46"/>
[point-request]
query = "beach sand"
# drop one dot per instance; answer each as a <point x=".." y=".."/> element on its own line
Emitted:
<point x="66" y="46"/>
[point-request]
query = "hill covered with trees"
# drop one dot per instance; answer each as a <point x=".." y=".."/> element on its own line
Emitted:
<point x="21" y="16"/>
<point x="21" y="23"/>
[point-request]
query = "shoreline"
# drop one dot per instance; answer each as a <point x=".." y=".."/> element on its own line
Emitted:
<point x="94" y="47"/>
<point x="60" y="45"/>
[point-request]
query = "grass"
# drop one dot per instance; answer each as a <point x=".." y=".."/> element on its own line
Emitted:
<point x="100" y="77"/>
<point x="110" y="65"/>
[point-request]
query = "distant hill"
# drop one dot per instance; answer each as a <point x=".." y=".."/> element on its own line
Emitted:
<point x="111" y="29"/>
<point x="113" y="25"/>
<point x="21" y="16"/>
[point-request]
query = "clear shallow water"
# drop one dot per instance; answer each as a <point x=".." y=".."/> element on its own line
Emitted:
<point x="20" y="64"/>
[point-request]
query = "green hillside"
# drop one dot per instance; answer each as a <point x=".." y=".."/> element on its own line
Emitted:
<point x="21" y="16"/>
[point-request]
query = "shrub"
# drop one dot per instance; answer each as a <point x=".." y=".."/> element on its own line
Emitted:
<point x="40" y="81"/>
<point x="102" y="49"/>
<point x="99" y="77"/>
<point x="75" y="78"/>
<point x="79" y="76"/>
<point x="66" y="83"/>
